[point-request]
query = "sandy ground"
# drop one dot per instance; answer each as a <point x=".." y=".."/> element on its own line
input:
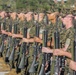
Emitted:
<point x="3" y="73"/>
<point x="3" y="67"/>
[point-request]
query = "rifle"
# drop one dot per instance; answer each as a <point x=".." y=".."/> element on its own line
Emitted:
<point x="3" y="38"/>
<point x="9" y="44"/>
<point x="22" y="62"/>
<point x="46" y="57"/>
<point x="21" y="55"/>
<point x="11" y="57"/>
<point x="63" y="58"/>
<point x="34" y="64"/>
<point x="74" y="52"/>
<point x="55" y="65"/>
<point x="42" y="71"/>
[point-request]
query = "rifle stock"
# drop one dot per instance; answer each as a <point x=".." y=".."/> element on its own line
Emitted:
<point x="22" y="63"/>
<point x="11" y="57"/>
<point x="55" y="65"/>
<point x="42" y="70"/>
<point x="9" y="44"/>
<point x="34" y="63"/>
<point x="3" y="37"/>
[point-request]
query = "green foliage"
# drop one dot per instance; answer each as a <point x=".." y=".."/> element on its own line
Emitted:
<point x="8" y="5"/>
<point x="36" y="5"/>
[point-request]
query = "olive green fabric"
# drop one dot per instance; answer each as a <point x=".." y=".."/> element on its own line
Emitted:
<point x="65" y="34"/>
<point x="69" y="33"/>
<point x="53" y="27"/>
<point x="32" y="32"/>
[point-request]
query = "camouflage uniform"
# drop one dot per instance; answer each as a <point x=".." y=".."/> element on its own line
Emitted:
<point x="31" y="30"/>
<point x="32" y="34"/>
<point x="52" y="28"/>
<point x="3" y="28"/>
<point x="12" y="63"/>
<point x="7" y="29"/>
<point x="20" y="25"/>
<point x="29" y="25"/>
<point x="65" y="34"/>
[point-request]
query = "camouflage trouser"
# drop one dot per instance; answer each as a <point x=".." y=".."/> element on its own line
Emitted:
<point x="30" y="58"/>
<point x="16" y="59"/>
<point x="27" y="62"/>
<point x="7" y="50"/>
<point x="68" y="71"/>
<point x="40" y="63"/>
<point x="4" y="52"/>
<point x="12" y="62"/>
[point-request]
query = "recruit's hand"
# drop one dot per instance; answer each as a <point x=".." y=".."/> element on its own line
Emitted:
<point x="9" y="34"/>
<point x="46" y="50"/>
<point x="25" y="40"/>
<point x="36" y="39"/>
<point x="14" y="35"/>
<point x="3" y="31"/>
<point x="58" y="52"/>
<point x="72" y="65"/>
<point x="17" y="36"/>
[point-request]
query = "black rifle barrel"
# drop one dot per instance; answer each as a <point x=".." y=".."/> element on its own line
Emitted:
<point x="74" y="53"/>
<point x="42" y="70"/>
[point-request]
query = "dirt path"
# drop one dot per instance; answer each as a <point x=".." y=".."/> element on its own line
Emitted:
<point x="3" y="67"/>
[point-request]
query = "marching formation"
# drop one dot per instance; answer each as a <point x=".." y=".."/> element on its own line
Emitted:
<point x="36" y="43"/>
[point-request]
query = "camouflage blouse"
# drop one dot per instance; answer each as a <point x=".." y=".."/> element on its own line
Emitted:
<point x="65" y="34"/>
